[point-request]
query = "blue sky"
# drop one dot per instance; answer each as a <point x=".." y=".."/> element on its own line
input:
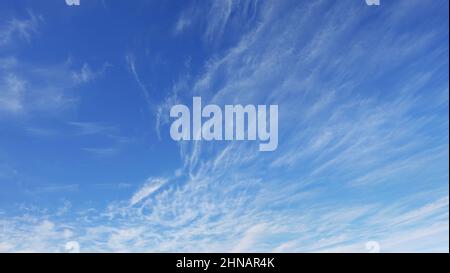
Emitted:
<point x="86" y="154"/>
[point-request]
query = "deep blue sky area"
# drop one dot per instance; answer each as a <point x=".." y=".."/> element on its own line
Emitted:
<point x="86" y="154"/>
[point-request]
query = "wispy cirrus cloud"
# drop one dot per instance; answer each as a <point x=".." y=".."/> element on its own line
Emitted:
<point x="12" y="95"/>
<point x="32" y="87"/>
<point x="87" y="74"/>
<point x="19" y="28"/>
<point x="340" y="134"/>
<point x="131" y="63"/>
<point x="28" y="87"/>
<point x="152" y="185"/>
<point x="363" y="154"/>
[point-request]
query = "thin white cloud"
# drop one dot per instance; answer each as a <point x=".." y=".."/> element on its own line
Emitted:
<point x="182" y="24"/>
<point x="12" y="94"/>
<point x="151" y="185"/>
<point x="22" y="28"/>
<point x="250" y="237"/>
<point x="27" y="88"/>
<point x="131" y="63"/>
<point x="87" y="74"/>
<point x="90" y="128"/>
<point x="103" y="152"/>
<point x="54" y="188"/>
